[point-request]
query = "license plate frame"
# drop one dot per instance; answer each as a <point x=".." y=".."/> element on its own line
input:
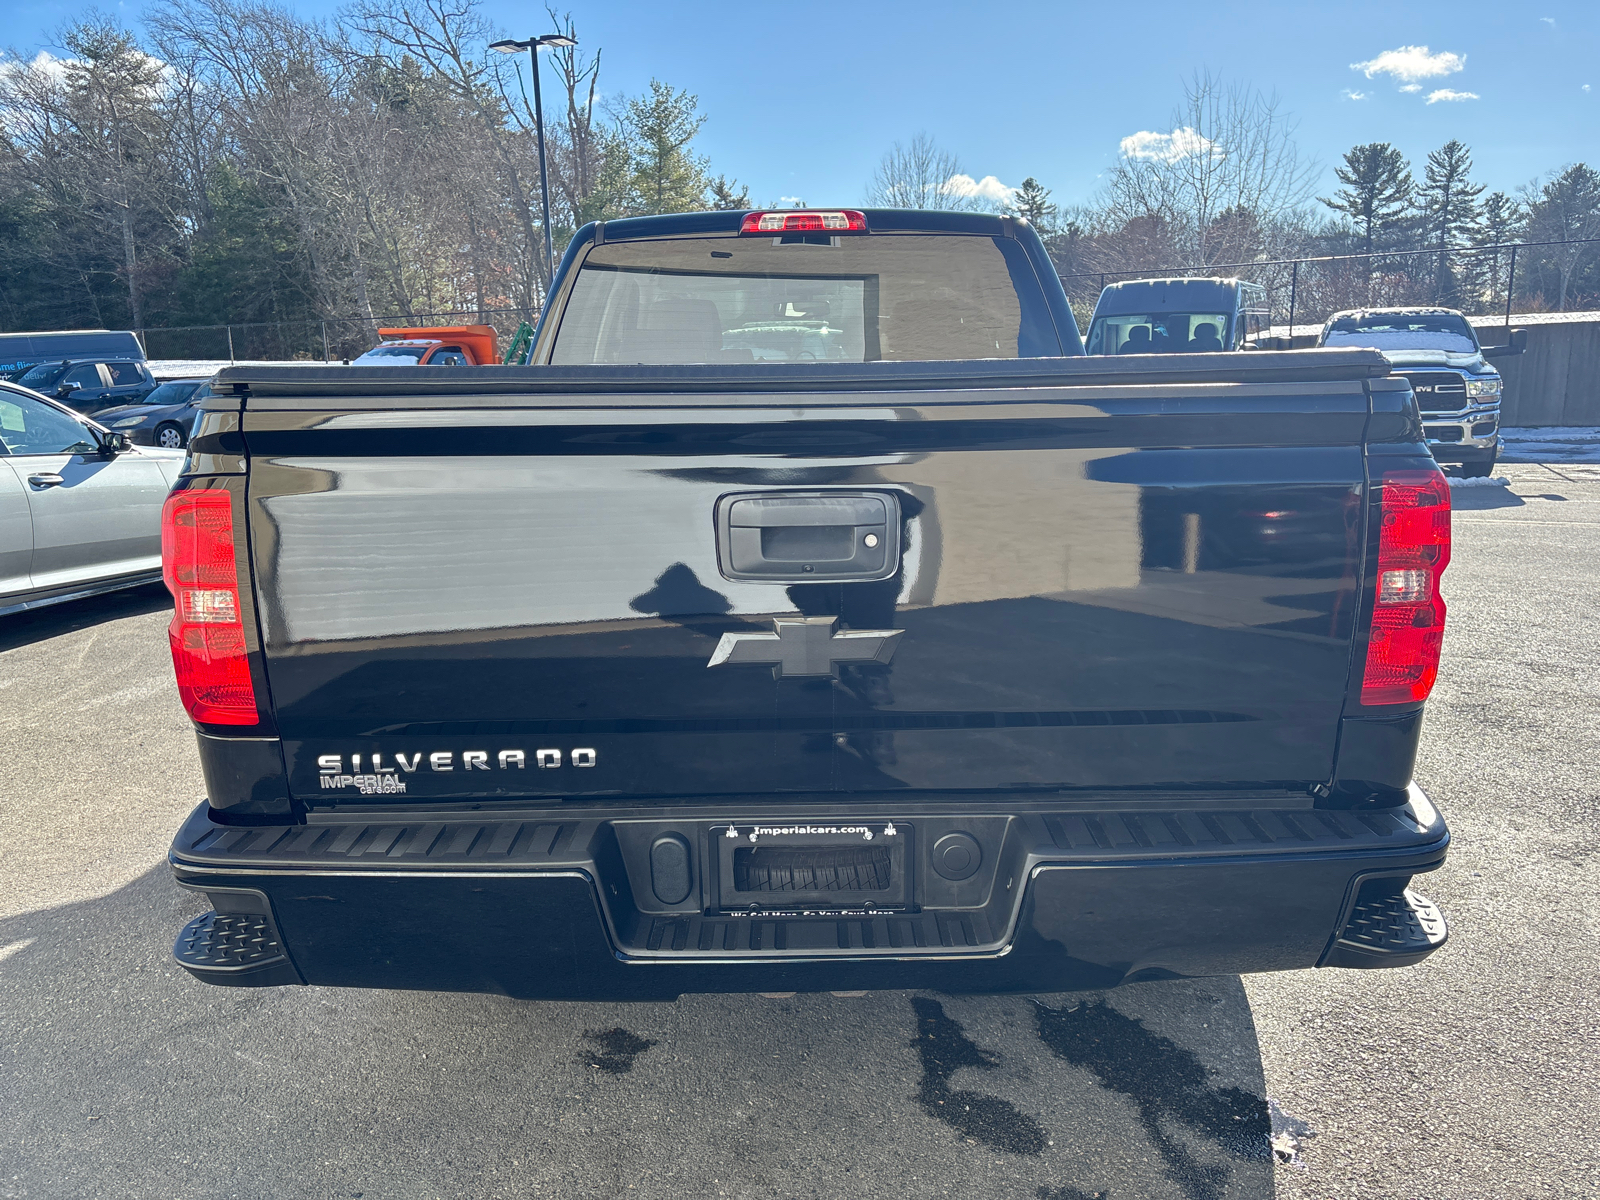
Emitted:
<point x="809" y="842"/>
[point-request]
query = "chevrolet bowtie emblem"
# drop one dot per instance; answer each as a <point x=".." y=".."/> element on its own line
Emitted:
<point x="806" y="646"/>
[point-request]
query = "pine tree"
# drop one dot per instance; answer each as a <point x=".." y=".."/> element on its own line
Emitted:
<point x="664" y="176"/>
<point x="728" y="195"/>
<point x="1032" y="203"/>
<point x="1499" y="221"/>
<point x="1447" y="211"/>
<point x="1376" y="194"/>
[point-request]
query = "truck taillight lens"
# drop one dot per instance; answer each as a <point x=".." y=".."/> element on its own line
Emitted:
<point x="1408" y="616"/>
<point x="207" y="631"/>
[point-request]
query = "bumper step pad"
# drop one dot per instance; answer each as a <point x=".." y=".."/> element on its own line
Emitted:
<point x="234" y="949"/>
<point x="1388" y="929"/>
<point x="776" y="935"/>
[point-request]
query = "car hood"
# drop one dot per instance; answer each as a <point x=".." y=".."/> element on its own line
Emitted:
<point x="148" y="411"/>
<point x="1436" y="358"/>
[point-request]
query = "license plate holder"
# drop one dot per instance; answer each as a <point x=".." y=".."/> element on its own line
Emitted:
<point x="813" y="867"/>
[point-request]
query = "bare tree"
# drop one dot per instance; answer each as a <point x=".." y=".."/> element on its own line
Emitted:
<point x="280" y="105"/>
<point x="244" y="164"/>
<point x="918" y="175"/>
<point x="1221" y="179"/>
<point x="577" y="149"/>
<point x="450" y="39"/>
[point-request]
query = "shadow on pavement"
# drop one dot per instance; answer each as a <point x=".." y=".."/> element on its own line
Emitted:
<point x="1479" y="499"/>
<point x="126" y="1077"/>
<point x="39" y="624"/>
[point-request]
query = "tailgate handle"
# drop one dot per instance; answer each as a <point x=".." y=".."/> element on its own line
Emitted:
<point x="809" y="537"/>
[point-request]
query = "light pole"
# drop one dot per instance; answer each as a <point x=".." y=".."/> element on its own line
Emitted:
<point x="531" y="45"/>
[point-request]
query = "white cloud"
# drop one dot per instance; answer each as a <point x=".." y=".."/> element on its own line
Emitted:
<point x="1412" y="87"/>
<point x="1411" y="63"/>
<point x="792" y="201"/>
<point x="1451" y="94"/>
<point x="44" y="63"/>
<point x="987" y="188"/>
<point x="1353" y="95"/>
<point x="1550" y="21"/>
<point x="1584" y="88"/>
<point x="50" y="64"/>
<point x="1168" y="147"/>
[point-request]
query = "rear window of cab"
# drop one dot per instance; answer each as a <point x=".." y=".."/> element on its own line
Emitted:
<point x="805" y="298"/>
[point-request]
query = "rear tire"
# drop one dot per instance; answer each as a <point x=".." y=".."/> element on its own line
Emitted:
<point x="1481" y="469"/>
<point x="170" y="437"/>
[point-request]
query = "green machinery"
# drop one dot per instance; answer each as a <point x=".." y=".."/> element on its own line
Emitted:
<point x="520" y="343"/>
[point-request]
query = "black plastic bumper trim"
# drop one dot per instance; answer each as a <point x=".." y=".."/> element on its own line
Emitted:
<point x="547" y="903"/>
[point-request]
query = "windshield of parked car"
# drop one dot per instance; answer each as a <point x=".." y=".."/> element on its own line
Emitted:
<point x="805" y="298"/>
<point x="1403" y="331"/>
<point x="43" y="375"/>
<point x="171" y="393"/>
<point x="1158" y="333"/>
<point x="391" y="356"/>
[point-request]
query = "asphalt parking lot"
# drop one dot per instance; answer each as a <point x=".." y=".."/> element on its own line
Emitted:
<point x="1471" y="1075"/>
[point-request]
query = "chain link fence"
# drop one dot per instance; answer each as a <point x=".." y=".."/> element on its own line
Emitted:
<point x="333" y="339"/>
<point x="1478" y="280"/>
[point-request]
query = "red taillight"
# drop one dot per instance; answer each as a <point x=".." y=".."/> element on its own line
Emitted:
<point x="843" y="220"/>
<point x="207" y="632"/>
<point x="1408" y="613"/>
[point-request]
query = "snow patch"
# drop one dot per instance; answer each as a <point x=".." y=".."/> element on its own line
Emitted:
<point x="195" y="368"/>
<point x="1551" y="433"/>
<point x="1401" y="340"/>
<point x="1497" y="481"/>
<point x="1552" y="443"/>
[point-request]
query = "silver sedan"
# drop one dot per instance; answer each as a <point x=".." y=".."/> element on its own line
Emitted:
<point x="80" y="508"/>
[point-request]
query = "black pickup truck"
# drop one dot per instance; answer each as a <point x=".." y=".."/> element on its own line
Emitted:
<point x="809" y="613"/>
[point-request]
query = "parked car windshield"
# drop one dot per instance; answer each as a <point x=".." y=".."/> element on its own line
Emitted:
<point x="803" y="298"/>
<point x="391" y="356"/>
<point x="171" y="393"/>
<point x="1403" y="331"/>
<point x="42" y="376"/>
<point x="1158" y="333"/>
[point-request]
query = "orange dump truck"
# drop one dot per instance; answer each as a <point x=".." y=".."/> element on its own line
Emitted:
<point x="440" y="346"/>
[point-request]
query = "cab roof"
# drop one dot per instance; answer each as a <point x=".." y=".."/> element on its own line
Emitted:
<point x="1412" y="310"/>
<point x="1184" y="293"/>
<point x="879" y="220"/>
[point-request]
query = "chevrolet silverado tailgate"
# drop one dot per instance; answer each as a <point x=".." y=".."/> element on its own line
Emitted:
<point x="586" y="582"/>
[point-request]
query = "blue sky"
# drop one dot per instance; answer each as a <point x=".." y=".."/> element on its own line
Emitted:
<point x="803" y="99"/>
